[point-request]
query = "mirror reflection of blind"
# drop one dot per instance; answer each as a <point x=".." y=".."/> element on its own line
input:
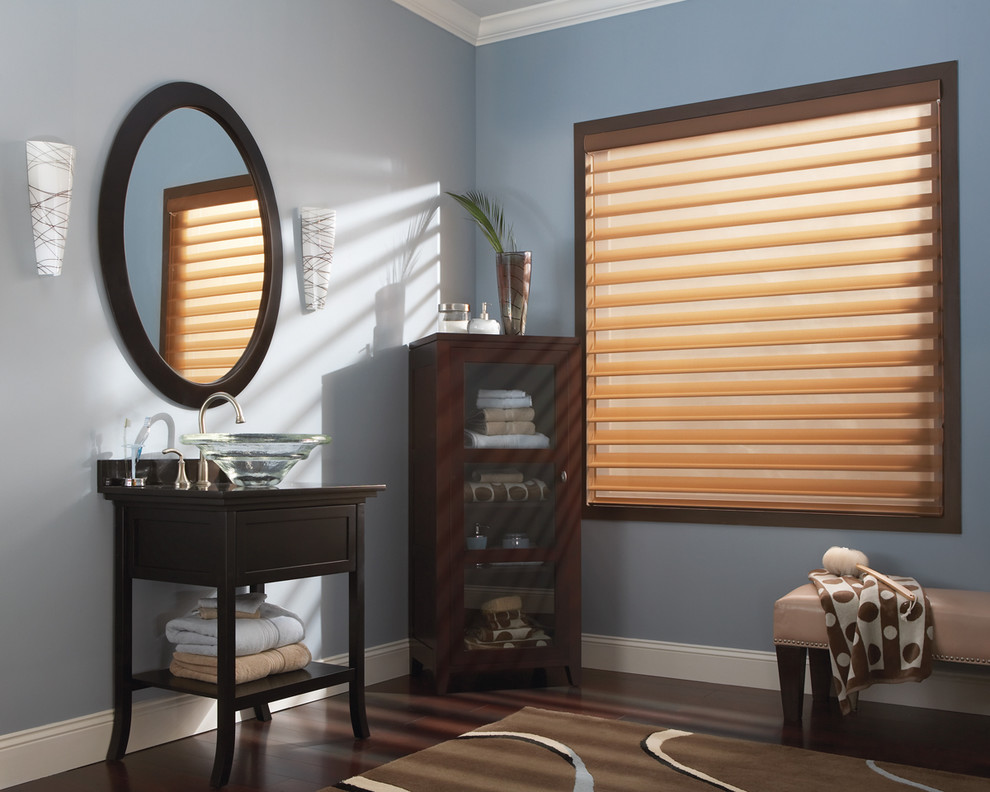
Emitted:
<point x="763" y="311"/>
<point x="213" y="276"/>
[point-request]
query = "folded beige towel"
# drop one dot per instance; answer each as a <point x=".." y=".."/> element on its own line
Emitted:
<point x="505" y="428"/>
<point x="504" y="414"/>
<point x="246" y="667"/>
<point x="211" y="613"/>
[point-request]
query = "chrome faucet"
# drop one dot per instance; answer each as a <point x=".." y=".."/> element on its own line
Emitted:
<point x="165" y="418"/>
<point x="202" y="479"/>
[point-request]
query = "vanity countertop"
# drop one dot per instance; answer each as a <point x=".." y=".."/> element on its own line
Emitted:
<point x="160" y="473"/>
<point x="229" y="494"/>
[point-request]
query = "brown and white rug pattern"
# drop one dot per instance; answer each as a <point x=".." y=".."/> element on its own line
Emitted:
<point x="537" y="750"/>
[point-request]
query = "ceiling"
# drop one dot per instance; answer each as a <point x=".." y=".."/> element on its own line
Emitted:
<point x="486" y="21"/>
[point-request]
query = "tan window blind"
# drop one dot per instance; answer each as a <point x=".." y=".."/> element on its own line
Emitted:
<point x="214" y="276"/>
<point x="763" y="308"/>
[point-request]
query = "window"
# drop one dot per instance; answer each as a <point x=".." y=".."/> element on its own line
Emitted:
<point x="770" y="309"/>
<point x="214" y="272"/>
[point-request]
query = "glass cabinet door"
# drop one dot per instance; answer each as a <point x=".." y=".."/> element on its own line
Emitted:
<point x="508" y="518"/>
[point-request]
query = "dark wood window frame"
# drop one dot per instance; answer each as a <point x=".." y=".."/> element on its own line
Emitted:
<point x="623" y="130"/>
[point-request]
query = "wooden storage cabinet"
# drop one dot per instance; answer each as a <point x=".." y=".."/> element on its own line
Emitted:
<point x="515" y="604"/>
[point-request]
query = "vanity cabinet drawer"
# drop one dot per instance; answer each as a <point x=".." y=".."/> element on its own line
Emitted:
<point x="285" y="544"/>
<point x="181" y="546"/>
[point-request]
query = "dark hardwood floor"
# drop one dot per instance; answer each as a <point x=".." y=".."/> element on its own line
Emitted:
<point x="309" y="747"/>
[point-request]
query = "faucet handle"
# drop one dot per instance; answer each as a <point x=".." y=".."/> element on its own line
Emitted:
<point x="181" y="480"/>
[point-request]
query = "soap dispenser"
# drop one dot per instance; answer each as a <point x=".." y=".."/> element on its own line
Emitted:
<point x="482" y="324"/>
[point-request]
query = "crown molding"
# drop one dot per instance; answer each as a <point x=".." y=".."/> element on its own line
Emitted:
<point x="549" y="15"/>
<point x="448" y="15"/>
<point x="556" y="14"/>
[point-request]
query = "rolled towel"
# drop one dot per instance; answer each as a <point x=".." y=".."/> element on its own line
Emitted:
<point x="277" y="627"/>
<point x="508" y="602"/>
<point x="247" y="668"/>
<point x="493" y="491"/>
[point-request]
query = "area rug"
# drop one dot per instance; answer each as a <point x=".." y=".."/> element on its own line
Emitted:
<point x="536" y="750"/>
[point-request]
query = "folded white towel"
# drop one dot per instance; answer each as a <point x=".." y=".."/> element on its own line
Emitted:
<point x="478" y="440"/>
<point x="490" y="393"/>
<point x="506" y="403"/>
<point x="245" y="603"/>
<point x="276" y="627"/>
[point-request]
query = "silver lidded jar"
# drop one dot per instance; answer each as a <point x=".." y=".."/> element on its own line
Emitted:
<point x="453" y="317"/>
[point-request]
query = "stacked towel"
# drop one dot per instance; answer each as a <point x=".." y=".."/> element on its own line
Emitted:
<point x="267" y="640"/>
<point x="505" y="419"/>
<point x="503" y="625"/>
<point x="247" y="668"/>
<point x="500" y="421"/>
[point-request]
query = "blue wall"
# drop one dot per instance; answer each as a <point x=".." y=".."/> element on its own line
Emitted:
<point x="707" y="584"/>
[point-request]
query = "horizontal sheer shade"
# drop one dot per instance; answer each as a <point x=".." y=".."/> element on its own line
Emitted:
<point x="763" y="308"/>
<point x="216" y="257"/>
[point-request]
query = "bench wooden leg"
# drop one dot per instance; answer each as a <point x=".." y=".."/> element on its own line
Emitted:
<point x="791" y="661"/>
<point x="821" y="675"/>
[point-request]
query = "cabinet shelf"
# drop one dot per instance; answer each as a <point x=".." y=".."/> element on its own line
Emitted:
<point x="499" y="608"/>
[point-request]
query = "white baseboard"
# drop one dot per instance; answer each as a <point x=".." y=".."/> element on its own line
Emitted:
<point x="956" y="687"/>
<point x="57" y="747"/>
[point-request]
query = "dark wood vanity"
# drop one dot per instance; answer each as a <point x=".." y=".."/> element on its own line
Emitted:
<point x="228" y="538"/>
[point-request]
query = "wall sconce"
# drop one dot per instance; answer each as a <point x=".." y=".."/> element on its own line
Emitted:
<point x="49" y="172"/>
<point x="317" y="231"/>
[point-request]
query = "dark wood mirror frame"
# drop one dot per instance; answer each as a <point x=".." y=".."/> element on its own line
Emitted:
<point x="113" y="194"/>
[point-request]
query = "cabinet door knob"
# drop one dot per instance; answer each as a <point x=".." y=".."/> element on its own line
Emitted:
<point x="563" y="476"/>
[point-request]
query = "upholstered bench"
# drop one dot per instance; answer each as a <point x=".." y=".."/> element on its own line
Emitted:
<point x="962" y="635"/>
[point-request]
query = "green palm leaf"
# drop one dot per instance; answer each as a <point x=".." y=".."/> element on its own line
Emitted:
<point x="487" y="214"/>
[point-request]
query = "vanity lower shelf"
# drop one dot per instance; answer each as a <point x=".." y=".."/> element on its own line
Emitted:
<point x="315" y="676"/>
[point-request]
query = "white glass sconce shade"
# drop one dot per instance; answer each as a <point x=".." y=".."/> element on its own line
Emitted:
<point x="318" y="229"/>
<point x="49" y="172"/>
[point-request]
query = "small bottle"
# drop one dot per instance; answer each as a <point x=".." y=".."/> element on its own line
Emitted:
<point x="478" y="539"/>
<point x="482" y="324"/>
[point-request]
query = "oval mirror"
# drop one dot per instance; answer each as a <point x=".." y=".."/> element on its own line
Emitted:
<point x="190" y="246"/>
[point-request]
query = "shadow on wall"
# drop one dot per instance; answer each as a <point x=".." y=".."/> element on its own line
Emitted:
<point x="365" y="412"/>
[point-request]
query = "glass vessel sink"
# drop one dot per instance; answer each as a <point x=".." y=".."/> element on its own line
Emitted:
<point x="255" y="460"/>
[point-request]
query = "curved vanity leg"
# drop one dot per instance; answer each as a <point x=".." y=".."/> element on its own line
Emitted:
<point x="226" y="713"/>
<point x="121" y="727"/>
<point x="223" y="759"/>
